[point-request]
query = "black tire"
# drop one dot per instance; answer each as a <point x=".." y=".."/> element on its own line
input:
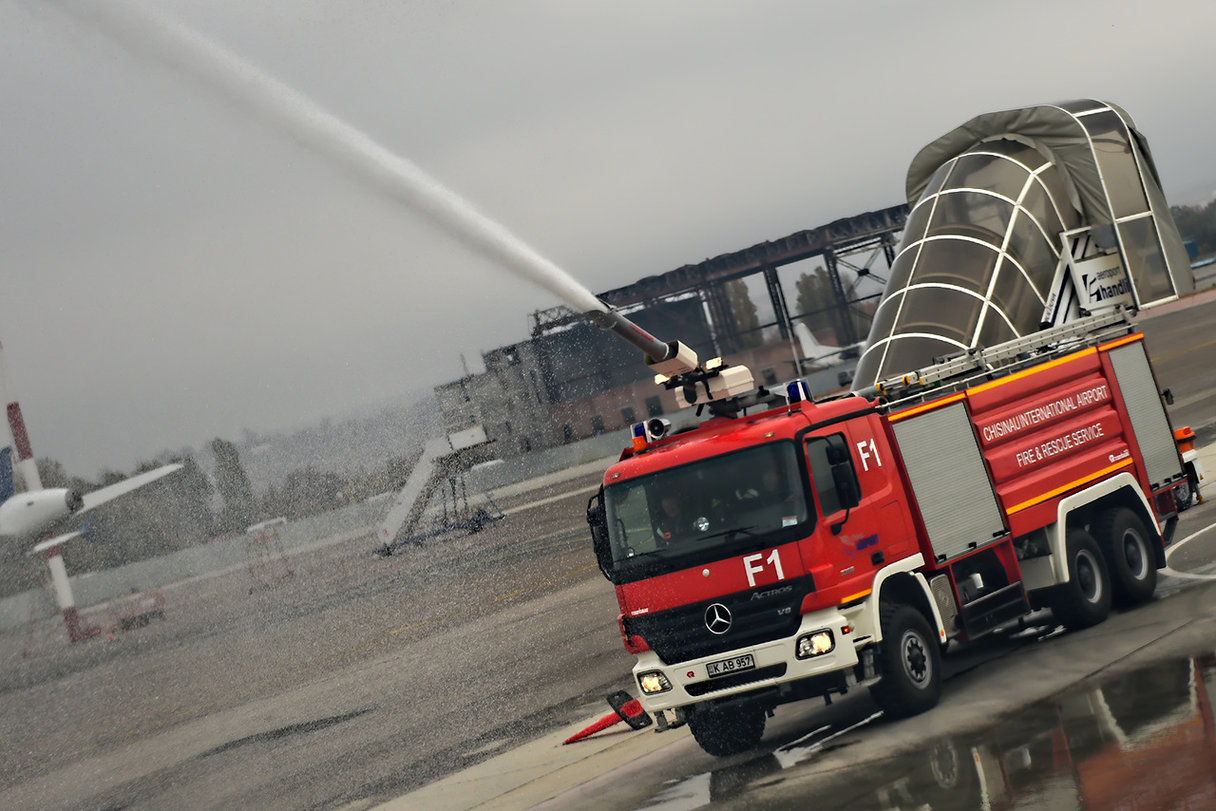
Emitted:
<point x="1085" y="599"/>
<point x="1184" y="494"/>
<point x="725" y="731"/>
<point x="1125" y="542"/>
<point x="911" y="664"/>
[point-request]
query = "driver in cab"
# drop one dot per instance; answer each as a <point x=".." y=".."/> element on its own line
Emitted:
<point x="669" y="519"/>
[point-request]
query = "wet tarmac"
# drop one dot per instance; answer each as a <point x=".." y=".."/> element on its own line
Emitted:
<point x="1143" y="739"/>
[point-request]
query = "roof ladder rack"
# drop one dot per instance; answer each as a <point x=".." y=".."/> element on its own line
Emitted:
<point x="1003" y="358"/>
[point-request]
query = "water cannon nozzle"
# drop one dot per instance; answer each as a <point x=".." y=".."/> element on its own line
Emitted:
<point x="680" y="360"/>
<point x="656" y="351"/>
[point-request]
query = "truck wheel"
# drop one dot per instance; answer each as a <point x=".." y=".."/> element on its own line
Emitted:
<point x="1085" y="599"/>
<point x="1184" y="494"/>
<point x="1133" y="567"/>
<point x="911" y="664"/>
<point x="723" y="731"/>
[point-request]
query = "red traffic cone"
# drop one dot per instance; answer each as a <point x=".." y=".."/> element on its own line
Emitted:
<point x="608" y="720"/>
<point x="624" y="709"/>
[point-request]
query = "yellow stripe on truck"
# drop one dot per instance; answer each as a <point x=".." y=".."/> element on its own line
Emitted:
<point x="859" y="595"/>
<point x="1065" y="488"/>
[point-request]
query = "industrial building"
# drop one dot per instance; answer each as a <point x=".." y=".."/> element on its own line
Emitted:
<point x="542" y="392"/>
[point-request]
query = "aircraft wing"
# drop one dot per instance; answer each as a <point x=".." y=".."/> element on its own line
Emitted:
<point x="125" y="486"/>
<point x="49" y="542"/>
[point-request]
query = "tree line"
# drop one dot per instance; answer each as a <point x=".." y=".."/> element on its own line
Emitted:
<point x="1198" y="223"/>
<point x="815" y="306"/>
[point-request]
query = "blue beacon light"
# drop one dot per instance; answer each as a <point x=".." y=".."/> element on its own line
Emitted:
<point x="797" y="391"/>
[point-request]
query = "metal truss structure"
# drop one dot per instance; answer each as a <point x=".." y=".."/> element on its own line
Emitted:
<point x="852" y="244"/>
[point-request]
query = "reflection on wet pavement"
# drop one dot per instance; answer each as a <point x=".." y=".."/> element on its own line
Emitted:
<point x="1145" y="739"/>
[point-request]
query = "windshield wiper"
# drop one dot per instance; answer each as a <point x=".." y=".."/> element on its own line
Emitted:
<point x="729" y="533"/>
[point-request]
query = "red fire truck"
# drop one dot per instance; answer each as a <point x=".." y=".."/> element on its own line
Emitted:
<point x="787" y="548"/>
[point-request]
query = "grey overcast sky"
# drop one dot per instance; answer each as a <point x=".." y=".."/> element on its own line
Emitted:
<point x="176" y="269"/>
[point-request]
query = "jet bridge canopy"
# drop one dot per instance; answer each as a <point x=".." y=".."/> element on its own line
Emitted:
<point x="1007" y="210"/>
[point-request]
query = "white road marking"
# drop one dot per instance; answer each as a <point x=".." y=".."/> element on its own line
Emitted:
<point x="1176" y="546"/>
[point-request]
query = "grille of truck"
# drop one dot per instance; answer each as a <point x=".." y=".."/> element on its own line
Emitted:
<point x="726" y="682"/>
<point x="757" y="616"/>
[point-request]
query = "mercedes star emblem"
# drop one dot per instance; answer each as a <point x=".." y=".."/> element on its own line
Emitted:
<point x="717" y="619"/>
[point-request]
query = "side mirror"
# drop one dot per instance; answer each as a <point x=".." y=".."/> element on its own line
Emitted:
<point x="846" y="488"/>
<point x="836" y="454"/>
<point x="1169" y="397"/>
<point x="597" y="520"/>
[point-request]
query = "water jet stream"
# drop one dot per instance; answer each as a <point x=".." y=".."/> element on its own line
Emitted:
<point x="241" y="82"/>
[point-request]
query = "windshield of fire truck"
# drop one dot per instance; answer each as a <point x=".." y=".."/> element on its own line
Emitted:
<point x="750" y="498"/>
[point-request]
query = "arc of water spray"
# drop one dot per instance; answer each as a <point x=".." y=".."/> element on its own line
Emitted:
<point x="242" y="82"/>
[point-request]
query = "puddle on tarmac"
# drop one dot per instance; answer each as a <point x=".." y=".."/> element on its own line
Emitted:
<point x="1144" y="739"/>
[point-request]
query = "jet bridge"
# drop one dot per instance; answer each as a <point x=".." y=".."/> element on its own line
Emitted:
<point x="1024" y="219"/>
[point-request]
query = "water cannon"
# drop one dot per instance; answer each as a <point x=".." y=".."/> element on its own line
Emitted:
<point x="676" y="365"/>
<point x="668" y="358"/>
<point x="713" y="382"/>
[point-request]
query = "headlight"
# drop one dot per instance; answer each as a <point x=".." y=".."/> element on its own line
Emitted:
<point x="815" y="644"/>
<point x="653" y="682"/>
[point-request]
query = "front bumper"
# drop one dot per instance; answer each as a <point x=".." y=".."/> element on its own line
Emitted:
<point x="775" y="661"/>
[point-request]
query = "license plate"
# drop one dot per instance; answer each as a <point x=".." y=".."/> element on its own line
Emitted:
<point x="732" y="665"/>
